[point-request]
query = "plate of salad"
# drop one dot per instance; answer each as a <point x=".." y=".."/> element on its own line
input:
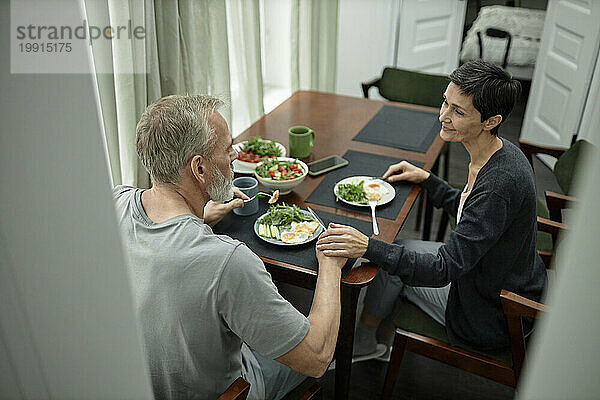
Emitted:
<point x="357" y="190"/>
<point x="287" y="225"/>
<point x="253" y="151"/>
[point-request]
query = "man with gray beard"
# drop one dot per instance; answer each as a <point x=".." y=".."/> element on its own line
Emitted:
<point x="206" y="306"/>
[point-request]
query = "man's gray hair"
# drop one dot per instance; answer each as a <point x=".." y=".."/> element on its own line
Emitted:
<point x="173" y="129"/>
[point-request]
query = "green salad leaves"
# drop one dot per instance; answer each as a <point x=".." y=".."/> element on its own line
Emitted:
<point x="262" y="147"/>
<point x="352" y="192"/>
<point x="283" y="215"/>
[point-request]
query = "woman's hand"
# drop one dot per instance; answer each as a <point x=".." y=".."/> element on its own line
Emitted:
<point x="215" y="211"/>
<point x="405" y="171"/>
<point x="342" y="241"/>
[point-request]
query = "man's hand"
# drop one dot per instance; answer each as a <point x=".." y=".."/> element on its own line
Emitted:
<point x="342" y="241"/>
<point x="405" y="171"/>
<point x="215" y="211"/>
<point x="324" y="260"/>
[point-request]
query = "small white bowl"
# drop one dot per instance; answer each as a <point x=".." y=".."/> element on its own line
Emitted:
<point x="244" y="167"/>
<point x="284" y="187"/>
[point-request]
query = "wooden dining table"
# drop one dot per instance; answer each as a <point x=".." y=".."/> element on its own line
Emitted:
<point x="336" y="120"/>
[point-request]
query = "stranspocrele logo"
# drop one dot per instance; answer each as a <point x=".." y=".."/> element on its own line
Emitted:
<point x="83" y="31"/>
<point x="78" y="36"/>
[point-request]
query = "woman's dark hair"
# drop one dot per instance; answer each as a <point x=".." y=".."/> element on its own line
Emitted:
<point x="494" y="91"/>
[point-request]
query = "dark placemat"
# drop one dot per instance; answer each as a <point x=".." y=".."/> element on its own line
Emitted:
<point x="362" y="164"/>
<point x="242" y="229"/>
<point x="411" y="130"/>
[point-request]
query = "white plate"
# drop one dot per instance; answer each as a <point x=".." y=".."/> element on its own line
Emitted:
<point x="312" y="237"/>
<point x="386" y="198"/>
<point x="243" y="167"/>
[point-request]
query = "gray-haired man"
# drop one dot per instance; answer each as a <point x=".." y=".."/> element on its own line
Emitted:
<point x="208" y="310"/>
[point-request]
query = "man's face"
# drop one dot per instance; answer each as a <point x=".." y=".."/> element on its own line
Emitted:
<point x="460" y="120"/>
<point x="220" y="170"/>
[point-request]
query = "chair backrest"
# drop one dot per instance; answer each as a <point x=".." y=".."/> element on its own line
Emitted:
<point x="565" y="168"/>
<point x="238" y="390"/>
<point x="412" y="87"/>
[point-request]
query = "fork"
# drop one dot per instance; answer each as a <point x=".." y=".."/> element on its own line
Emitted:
<point x="272" y="197"/>
<point x="372" y="204"/>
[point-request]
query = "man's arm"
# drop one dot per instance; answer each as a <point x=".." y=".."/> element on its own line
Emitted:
<point x="314" y="353"/>
<point x="215" y="211"/>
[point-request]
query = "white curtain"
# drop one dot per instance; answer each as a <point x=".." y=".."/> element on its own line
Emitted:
<point x="185" y="53"/>
<point x="314" y="44"/>
<point x="243" y="23"/>
<point x="193" y="46"/>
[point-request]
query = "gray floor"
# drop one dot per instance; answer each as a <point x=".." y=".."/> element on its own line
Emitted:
<point x="422" y="378"/>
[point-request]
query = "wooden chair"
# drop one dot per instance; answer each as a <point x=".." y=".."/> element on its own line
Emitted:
<point x="238" y="390"/>
<point x="565" y="170"/>
<point x="418" y="332"/>
<point x="419" y="88"/>
<point x="309" y="389"/>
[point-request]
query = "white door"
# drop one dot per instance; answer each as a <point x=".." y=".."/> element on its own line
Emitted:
<point x="563" y="72"/>
<point x="430" y="34"/>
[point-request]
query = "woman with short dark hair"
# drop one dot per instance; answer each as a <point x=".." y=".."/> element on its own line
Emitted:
<point x="493" y="246"/>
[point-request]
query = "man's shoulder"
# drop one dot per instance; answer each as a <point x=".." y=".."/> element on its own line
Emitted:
<point x="222" y="246"/>
<point x="123" y="190"/>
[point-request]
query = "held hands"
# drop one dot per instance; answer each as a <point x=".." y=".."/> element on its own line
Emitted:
<point x="324" y="261"/>
<point x="342" y="241"/>
<point x="215" y="211"/>
<point x="405" y="171"/>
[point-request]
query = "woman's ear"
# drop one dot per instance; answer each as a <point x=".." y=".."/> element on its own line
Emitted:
<point x="198" y="168"/>
<point x="492" y="122"/>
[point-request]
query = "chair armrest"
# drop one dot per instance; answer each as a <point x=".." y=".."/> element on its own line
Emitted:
<point x="519" y="306"/>
<point x="368" y="85"/>
<point x="531" y="148"/>
<point x="557" y="202"/>
<point x="238" y="390"/>
<point x="550" y="226"/>
<point x="515" y="307"/>
<point x="546" y="257"/>
<point x="553" y="228"/>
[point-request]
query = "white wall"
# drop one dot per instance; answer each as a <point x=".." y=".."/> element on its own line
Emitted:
<point x="366" y="31"/>
<point x="67" y="327"/>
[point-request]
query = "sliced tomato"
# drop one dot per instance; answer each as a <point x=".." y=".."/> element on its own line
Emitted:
<point x="272" y="173"/>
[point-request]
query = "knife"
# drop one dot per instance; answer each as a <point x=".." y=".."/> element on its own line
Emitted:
<point x="316" y="217"/>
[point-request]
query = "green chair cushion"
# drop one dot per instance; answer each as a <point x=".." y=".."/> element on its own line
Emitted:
<point x="565" y="169"/>
<point x="412" y="87"/>
<point x="409" y="317"/>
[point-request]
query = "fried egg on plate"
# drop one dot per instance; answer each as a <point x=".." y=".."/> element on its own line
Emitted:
<point x="294" y="237"/>
<point x="374" y="190"/>
<point x="307" y="227"/>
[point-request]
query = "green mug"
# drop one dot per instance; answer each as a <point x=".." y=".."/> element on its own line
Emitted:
<point x="301" y="140"/>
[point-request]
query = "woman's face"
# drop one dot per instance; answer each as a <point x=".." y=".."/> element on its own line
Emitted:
<point x="460" y="120"/>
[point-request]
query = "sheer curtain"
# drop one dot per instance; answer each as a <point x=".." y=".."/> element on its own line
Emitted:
<point x="314" y="44"/>
<point x="243" y="29"/>
<point x="209" y="46"/>
<point x="186" y="52"/>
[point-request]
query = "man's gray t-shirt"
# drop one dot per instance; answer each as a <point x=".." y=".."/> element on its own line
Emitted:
<point x="198" y="296"/>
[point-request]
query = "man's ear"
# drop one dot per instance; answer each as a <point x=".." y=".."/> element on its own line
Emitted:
<point x="492" y="122"/>
<point x="198" y="168"/>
